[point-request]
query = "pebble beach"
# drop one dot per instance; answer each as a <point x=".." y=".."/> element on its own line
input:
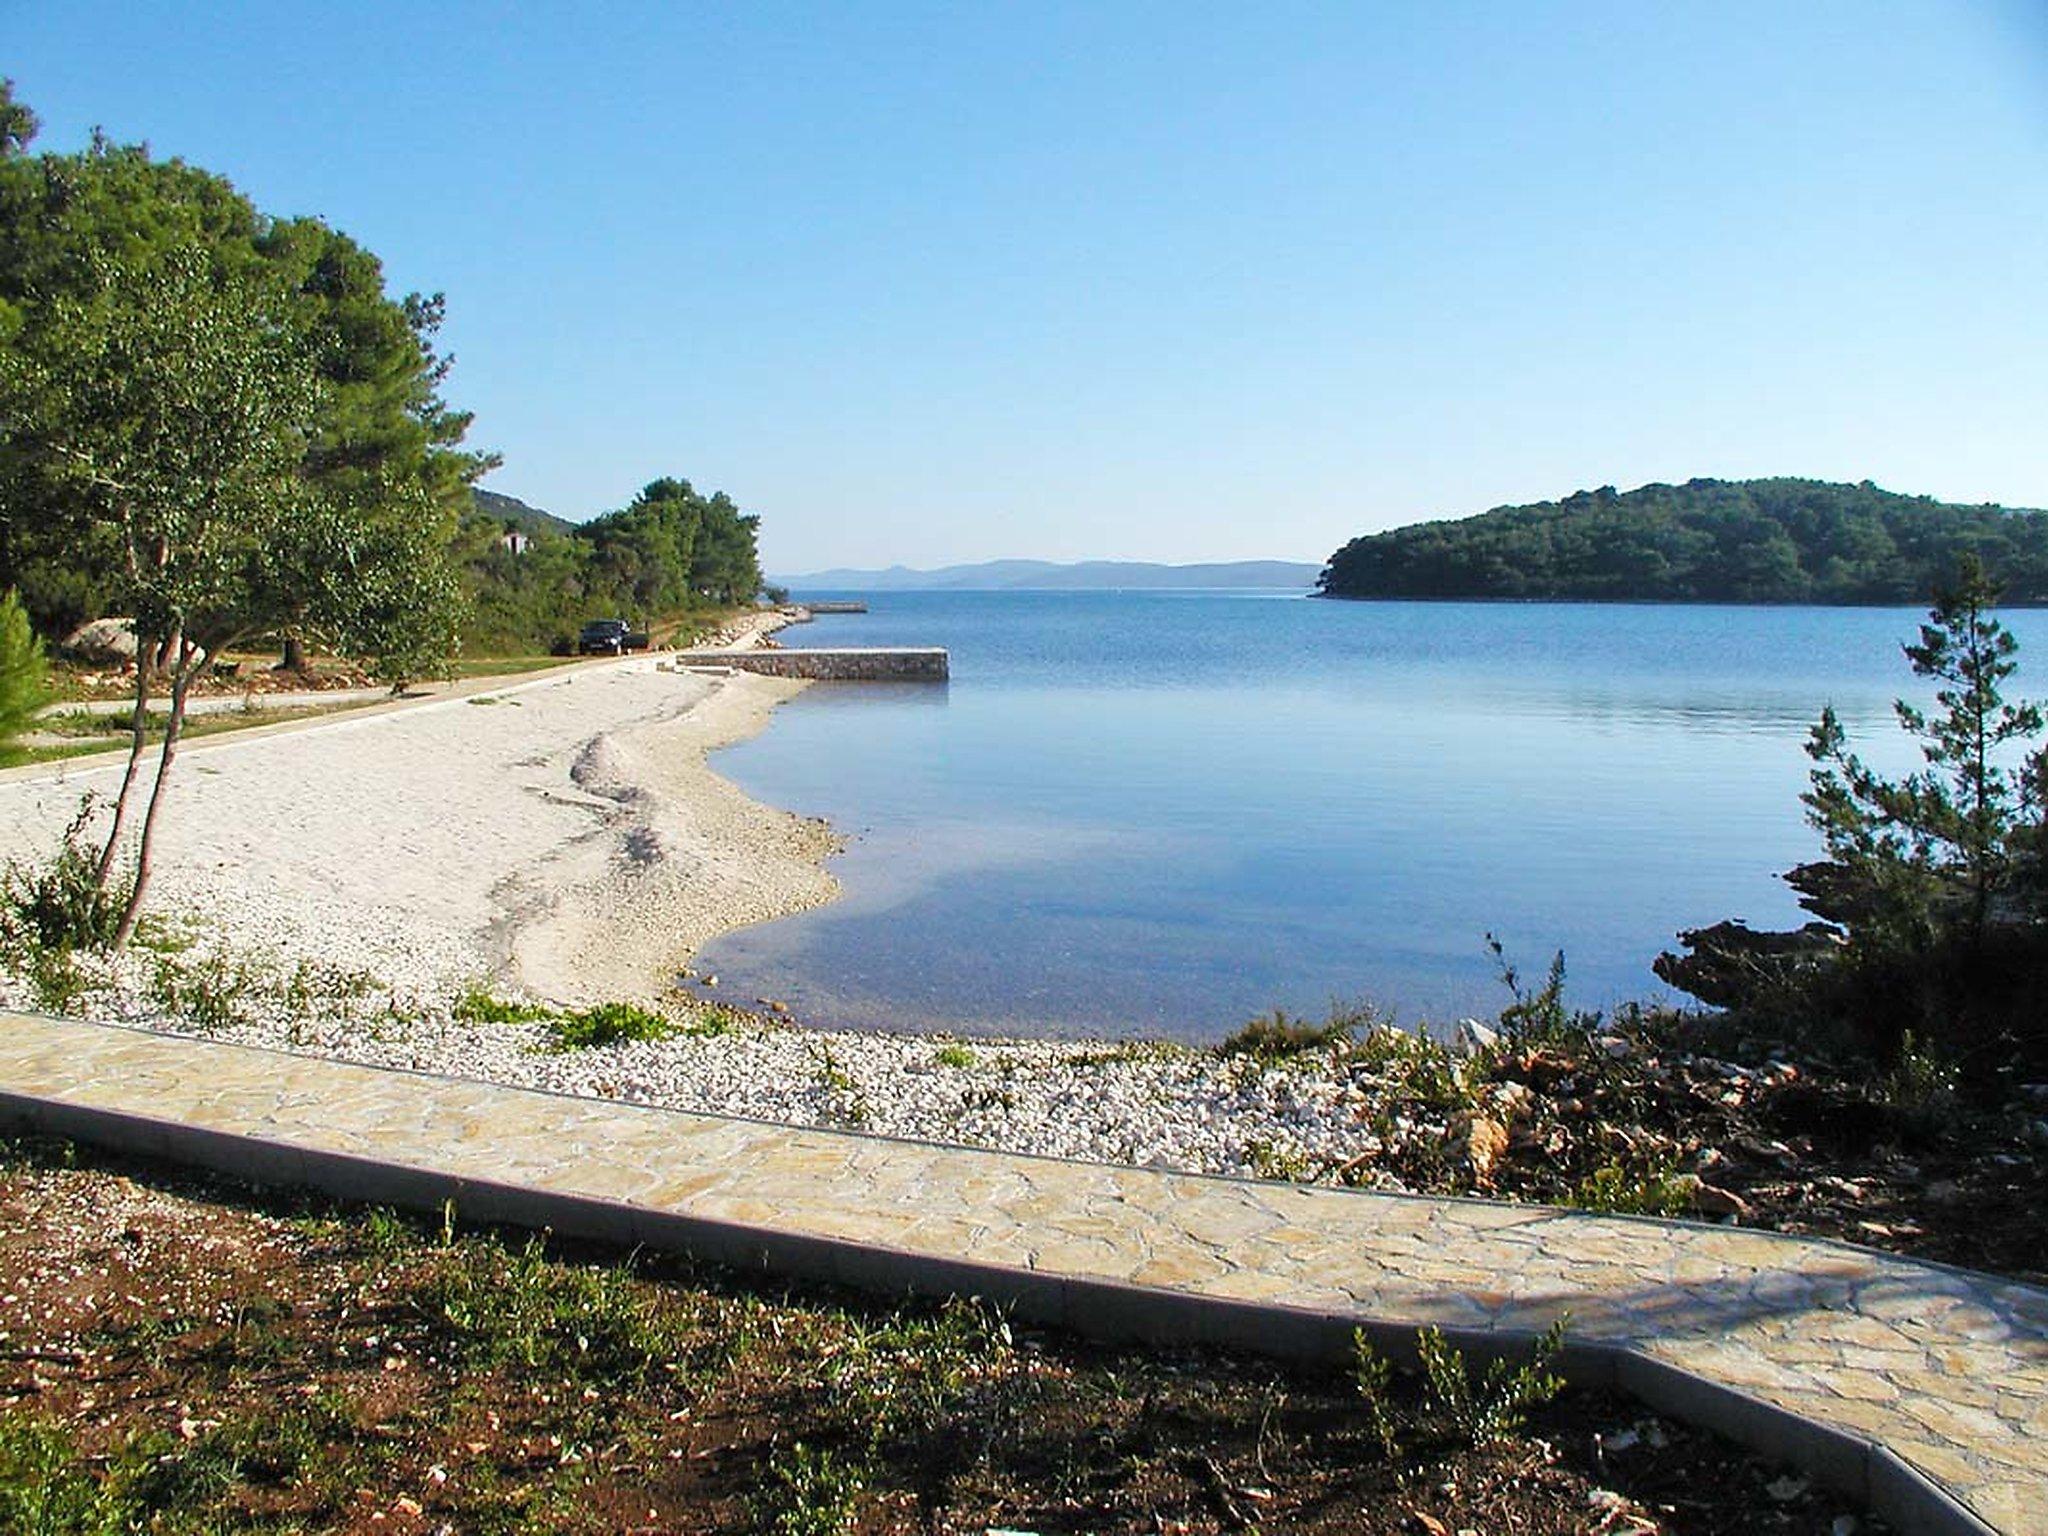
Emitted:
<point x="562" y="841"/>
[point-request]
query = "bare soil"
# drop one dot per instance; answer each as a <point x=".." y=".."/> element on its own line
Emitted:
<point x="183" y="1356"/>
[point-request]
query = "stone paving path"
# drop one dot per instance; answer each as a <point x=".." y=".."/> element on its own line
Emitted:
<point x="1824" y="1345"/>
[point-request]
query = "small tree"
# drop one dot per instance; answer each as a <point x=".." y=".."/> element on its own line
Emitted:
<point x="1934" y="879"/>
<point x="167" y="400"/>
<point x="24" y="671"/>
<point x="1933" y="895"/>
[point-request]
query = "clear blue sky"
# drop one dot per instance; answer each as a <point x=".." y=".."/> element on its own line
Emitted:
<point x="942" y="282"/>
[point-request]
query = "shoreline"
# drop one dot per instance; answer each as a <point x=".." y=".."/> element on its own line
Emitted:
<point x="568" y="842"/>
<point x="689" y="857"/>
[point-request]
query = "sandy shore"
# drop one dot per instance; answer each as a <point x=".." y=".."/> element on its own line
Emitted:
<point x="350" y="879"/>
<point x="561" y="837"/>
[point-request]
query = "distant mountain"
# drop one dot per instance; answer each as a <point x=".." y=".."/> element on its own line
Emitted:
<point x="1050" y="576"/>
<point x="510" y="509"/>
<point x="1707" y="541"/>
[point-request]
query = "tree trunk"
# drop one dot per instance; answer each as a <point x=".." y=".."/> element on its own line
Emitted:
<point x="181" y="683"/>
<point x="294" y="658"/>
<point x="138" y="739"/>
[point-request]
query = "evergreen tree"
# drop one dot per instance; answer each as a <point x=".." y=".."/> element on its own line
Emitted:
<point x="24" y="671"/>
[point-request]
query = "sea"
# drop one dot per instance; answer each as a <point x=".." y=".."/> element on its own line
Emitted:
<point x="1146" y="814"/>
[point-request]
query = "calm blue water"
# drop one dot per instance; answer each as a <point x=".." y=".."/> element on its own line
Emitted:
<point x="1164" y="813"/>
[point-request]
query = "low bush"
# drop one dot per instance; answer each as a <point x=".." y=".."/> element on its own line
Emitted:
<point x="607" y="1024"/>
<point x="1275" y="1037"/>
<point x="58" y="906"/>
<point x="1457" y="1410"/>
<point x="477" y="1006"/>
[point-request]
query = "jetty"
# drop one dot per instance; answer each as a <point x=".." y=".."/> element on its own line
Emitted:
<point x="863" y="664"/>
<point x="837" y="607"/>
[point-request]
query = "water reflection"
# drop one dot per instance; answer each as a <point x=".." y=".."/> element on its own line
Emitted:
<point x="1163" y="813"/>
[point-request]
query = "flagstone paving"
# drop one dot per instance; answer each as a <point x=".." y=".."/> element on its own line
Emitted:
<point x="1947" y="1370"/>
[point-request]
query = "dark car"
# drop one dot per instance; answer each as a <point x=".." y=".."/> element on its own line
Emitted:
<point x="609" y="637"/>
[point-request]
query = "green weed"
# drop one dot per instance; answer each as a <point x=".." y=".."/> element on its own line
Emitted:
<point x="606" y="1024"/>
<point x="1457" y="1410"/>
<point x="47" y="1489"/>
<point x="519" y="1308"/>
<point x="809" y="1492"/>
<point x="1275" y="1037"/>
<point x="477" y="1006"/>
<point x="1657" y="1190"/>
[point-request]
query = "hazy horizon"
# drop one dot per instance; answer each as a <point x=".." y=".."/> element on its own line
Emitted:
<point x="925" y="285"/>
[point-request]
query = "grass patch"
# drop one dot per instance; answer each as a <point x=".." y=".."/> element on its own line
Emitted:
<point x="104" y="733"/>
<point x="1275" y="1037"/>
<point x="607" y="1024"/>
<point x="477" y="1006"/>
<point x="955" y="1055"/>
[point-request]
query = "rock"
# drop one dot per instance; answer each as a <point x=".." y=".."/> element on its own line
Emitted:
<point x="1613" y="1047"/>
<point x="1486" y="1143"/>
<point x="1471" y="1035"/>
<point x="1712" y="1200"/>
<point x="101" y="642"/>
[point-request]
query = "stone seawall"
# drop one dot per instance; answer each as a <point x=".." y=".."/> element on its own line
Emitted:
<point x="872" y="664"/>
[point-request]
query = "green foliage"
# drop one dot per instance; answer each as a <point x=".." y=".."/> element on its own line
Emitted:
<point x="57" y="908"/>
<point x="910" y="1374"/>
<point x="375" y="422"/>
<point x="212" y="989"/>
<point x="1654" y="1190"/>
<point x="1932" y="884"/>
<point x="24" y="671"/>
<point x="607" y="1024"/>
<point x="1496" y="1405"/>
<point x="477" y="1006"/>
<point x="1774" y="541"/>
<point x="48" y="1489"/>
<point x="1921" y="1087"/>
<point x="672" y="553"/>
<point x="955" y="1055"/>
<point x="846" y="1099"/>
<point x="1534" y="1017"/>
<point x="809" y="1492"/>
<point x="18" y="125"/>
<point x="1457" y="1411"/>
<point x="1275" y="1037"/>
<point x="517" y="1307"/>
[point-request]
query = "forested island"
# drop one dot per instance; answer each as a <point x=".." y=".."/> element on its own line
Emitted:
<point x="1706" y="541"/>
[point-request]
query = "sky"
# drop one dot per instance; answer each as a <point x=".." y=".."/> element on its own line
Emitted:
<point x="946" y="282"/>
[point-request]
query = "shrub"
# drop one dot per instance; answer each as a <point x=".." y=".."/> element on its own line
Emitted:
<point x="1458" y="1410"/>
<point x="24" y="671"/>
<point x="477" y="1006"/>
<point x="1933" y="888"/>
<point x="607" y="1024"/>
<point x="59" y="906"/>
<point x="1275" y="1037"/>
<point x="1657" y="1190"/>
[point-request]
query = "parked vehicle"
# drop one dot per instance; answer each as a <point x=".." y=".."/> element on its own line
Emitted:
<point x="610" y="637"/>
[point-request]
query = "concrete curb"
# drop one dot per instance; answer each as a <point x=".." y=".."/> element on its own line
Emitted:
<point x="1096" y="1308"/>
